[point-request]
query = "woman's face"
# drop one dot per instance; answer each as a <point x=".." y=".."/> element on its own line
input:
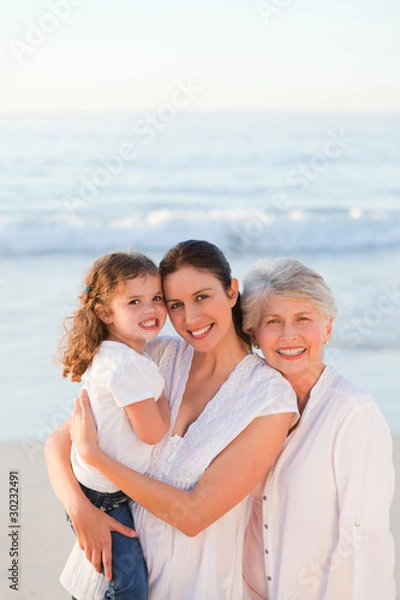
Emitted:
<point x="291" y="336"/>
<point x="199" y="307"/>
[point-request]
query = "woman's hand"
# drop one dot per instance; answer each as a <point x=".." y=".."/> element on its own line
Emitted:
<point x="92" y="526"/>
<point x="83" y="428"/>
<point x="93" y="530"/>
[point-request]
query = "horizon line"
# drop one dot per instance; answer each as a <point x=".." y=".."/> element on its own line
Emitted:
<point x="276" y="111"/>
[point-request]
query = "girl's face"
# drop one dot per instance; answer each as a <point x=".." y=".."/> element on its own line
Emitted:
<point x="136" y="313"/>
<point x="291" y="336"/>
<point x="199" y="307"/>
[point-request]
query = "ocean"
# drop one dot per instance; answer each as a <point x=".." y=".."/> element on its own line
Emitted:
<point x="321" y="187"/>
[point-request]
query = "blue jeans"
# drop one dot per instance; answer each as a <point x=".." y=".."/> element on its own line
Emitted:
<point x="129" y="570"/>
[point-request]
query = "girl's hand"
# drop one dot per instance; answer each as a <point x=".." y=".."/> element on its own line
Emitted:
<point x="83" y="428"/>
<point x="93" y="530"/>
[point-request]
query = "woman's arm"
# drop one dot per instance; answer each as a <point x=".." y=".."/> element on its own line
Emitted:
<point x="92" y="526"/>
<point x="229" y="479"/>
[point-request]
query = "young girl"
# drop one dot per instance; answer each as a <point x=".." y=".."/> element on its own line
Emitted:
<point x="121" y="308"/>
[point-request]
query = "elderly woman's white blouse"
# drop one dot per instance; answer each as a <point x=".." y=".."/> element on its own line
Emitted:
<point x="209" y="565"/>
<point x="321" y="531"/>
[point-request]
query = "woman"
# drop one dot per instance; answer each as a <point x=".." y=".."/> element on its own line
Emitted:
<point x="319" y="528"/>
<point x="225" y="402"/>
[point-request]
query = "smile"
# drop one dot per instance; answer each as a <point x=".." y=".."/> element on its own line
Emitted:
<point x="291" y="351"/>
<point x="201" y="332"/>
<point x="150" y="324"/>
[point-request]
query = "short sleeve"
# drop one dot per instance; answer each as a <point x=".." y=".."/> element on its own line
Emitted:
<point x="282" y="400"/>
<point x="135" y="380"/>
<point x="157" y="348"/>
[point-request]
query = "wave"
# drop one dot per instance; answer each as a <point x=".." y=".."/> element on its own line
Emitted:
<point x="268" y="230"/>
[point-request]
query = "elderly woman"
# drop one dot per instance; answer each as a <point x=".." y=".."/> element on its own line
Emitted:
<point x="319" y="528"/>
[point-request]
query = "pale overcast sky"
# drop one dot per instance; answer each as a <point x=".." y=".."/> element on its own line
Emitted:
<point x="286" y="55"/>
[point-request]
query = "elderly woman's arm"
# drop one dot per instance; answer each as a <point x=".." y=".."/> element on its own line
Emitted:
<point x="362" y="564"/>
<point x="92" y="526"/>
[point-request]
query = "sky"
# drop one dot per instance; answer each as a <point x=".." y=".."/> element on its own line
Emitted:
<point x="246" y="55"/>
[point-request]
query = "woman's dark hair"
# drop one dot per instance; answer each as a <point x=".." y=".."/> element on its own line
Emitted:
<point x="205" y="256"/>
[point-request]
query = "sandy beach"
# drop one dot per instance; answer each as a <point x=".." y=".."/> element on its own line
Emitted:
<point x="44" y="540"/>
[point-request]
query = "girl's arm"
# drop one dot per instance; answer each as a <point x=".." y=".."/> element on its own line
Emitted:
<point x="229" y="479"/>
<point x="149" y="419"/>
<point x="92" y="526"/>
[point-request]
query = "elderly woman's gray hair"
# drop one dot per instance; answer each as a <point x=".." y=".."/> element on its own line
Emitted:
<point x="283" y="278"/>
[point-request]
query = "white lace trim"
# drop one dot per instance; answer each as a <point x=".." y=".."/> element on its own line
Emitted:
<point x="249" y="390"/>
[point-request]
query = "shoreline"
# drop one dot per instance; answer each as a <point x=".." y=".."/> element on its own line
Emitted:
<point x="43" y="540"/>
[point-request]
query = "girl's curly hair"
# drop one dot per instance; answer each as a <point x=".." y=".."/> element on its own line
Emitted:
<point x="86" y="331"/>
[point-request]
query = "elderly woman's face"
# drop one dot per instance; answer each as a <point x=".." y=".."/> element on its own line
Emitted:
<point x="292" y="335"/>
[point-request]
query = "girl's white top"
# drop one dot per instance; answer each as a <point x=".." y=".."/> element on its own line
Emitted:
<point x="209" y="565"/>
<point x="319" y="529"/>
<point x="117" y="376"/>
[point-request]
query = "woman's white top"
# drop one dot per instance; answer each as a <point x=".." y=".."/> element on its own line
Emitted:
<point x="117" y="377"/>
<point x="209" y="565"/>
<point x="319" y="529"/>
